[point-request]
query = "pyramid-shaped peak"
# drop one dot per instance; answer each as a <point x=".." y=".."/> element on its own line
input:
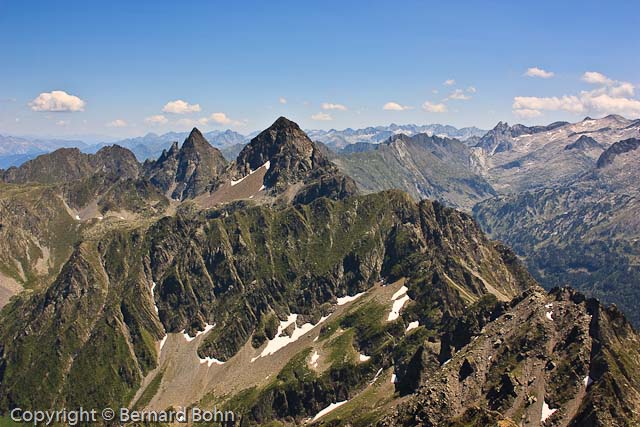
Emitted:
<point x="283" y="122"/>
<point x="195" y="138"/>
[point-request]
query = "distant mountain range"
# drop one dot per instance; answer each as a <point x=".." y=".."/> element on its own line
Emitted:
<point x="16" y="150"/>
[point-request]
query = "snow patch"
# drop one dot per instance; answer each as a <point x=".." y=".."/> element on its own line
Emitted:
<point x="314" y="359"/>
<point x="262" y="188"/>
<point x="446" y="361"/>
<point x="548" y="305"/>
<point x="77" y="217"/>
<point x="328" y="409"/>
<point x="210" y="361"/>
<point x="344" y="300"/>
<point x="546" y="412"/>
<point x="549" y="315"/>
<point x="413" y="325"/>
<point x="163" y="340"/>
<point x="189" y="338"/>
<point x="397" y="306"/>
<point x="153" y="295"/>
<point x="394" y="378"/>
<point x="587" y="381"/>
<point x="266" y="165"/>
<point x="281" y="341"/>
<point x="403" y="290"/>
<point x="364" y="357"/>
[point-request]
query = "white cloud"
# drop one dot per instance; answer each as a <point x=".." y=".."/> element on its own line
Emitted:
<point x="221" y="119"/>
<point x="57" y="101"/>
<point x="118" y="123"/>
<point x="394" y="106"/>
<point x="459" y="95"/>
<point x="605" y="103"/>
<point x="611" y="97"/>
<point x="180" y="107"/>
<point x="471" y="89"/>
<point x="62" y="122"/>
<point x="282" y="100"/>
<point x="322" y="117"/>
<point x="449" y="82"/>
<point x="330" y="106"/>
<point x="434" y="108"/>
<point x="609" y="86"/>
<point x="596" y="78"/>
<point x="527" y="113"/>
<point x="435" y="91"/>
<point x="539" y="72"/>
<point x="158" y="119"/>
<point x="565" y="103"/>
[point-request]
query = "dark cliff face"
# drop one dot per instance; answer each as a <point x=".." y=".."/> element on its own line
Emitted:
<point x="187" y="171"/>
<point x="293" y="159"/>
<point x="617" y="149"/>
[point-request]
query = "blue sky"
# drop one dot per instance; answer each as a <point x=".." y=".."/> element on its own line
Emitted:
<point x="116" y="65"/>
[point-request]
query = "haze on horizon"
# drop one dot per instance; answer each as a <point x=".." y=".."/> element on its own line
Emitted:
<point x="120" y="69"/>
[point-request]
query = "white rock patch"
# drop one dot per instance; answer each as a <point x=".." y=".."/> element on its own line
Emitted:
<point x="328" y="409"/>
<point x="344" y="300"/>
<point x="549" y="315"/>
<point x="364" y="357"/>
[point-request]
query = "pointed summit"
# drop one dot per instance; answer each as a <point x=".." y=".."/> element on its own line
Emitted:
<point x="292" y="157"/>
<point x="283" y="139"/>
<point x="195" y="139"/>
<point x="188" y="171"/>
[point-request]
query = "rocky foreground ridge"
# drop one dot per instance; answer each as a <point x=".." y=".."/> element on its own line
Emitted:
<point x="269" y="287"/>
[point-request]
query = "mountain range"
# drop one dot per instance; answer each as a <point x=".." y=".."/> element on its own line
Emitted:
<point x="16" y="150"/>
<point x="274" y="287"/>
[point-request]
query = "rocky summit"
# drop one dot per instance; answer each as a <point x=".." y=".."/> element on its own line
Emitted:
<point x="272" y="286"/>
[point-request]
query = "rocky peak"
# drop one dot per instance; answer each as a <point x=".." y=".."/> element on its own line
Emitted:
<point x="70" y="164"/>
<point x="293" y="158"/>
<point x="187" y="171"/>
<point x="499" y="138"/>
<point x="283" y="141"/>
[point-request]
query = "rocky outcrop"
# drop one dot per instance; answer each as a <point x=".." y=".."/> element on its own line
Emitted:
<point x="540" y="360"/>
<point x="617" y="149"/>
<point x="583" y="143"/>
<point x="188" y="171"/>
